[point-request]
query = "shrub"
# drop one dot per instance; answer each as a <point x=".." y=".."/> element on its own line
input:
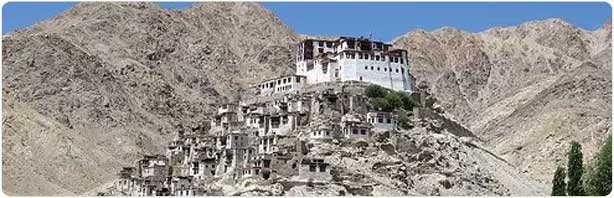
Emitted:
<point x="375" y="91"/>
<point x="381" y="104"/>
<point x="394" y="99"/>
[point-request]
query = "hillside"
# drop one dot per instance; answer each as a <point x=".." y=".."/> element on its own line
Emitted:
<point x="102" y="83"/>
<point x="92" y="89"/>
<point x="527" y="91"/>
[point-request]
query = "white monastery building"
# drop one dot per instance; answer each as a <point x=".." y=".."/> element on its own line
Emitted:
<point x="354" y="59"/>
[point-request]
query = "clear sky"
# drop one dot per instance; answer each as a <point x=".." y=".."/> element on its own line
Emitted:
<point x="384" y="21"/>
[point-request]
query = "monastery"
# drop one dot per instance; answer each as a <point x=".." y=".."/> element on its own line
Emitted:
<point x="269" y="135"/>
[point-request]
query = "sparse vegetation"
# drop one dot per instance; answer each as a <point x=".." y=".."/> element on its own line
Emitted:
<point x="375" y="91"/>
<point x="388" y="100"/>
<point x="575" y="170"/>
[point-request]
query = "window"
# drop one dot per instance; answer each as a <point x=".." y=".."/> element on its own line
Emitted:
<point x="320" y="43"/>
<point x="366" y="67"/>
<point x="371" y="67"/>
<point x="363" y="132"/>
<point x="322" y="168"/>
<point x="329" y="44"/>
<point x="352" y="56"/>
<point x="298" y="80"/>
<point x="366" y="56"/>
<point x="347" y="55"/>
<point x="388" y="120"/>
<point x="236" y="137"/>
<point x="312" y="168"/>
<point x="377" y="68"/>
<point x="284" y="81"/>
<point x="376" y="57"/>
<point x="380" y="120"/>
<point x="320" y="50"/>
<point x="354" y="131"/>
<point x="402" y="70"/>
<point x="397" y="70"/>
<point x="401" y="60"/>
<point x="359" y="56"/>
<point x="327" y="133"/>
<point x="360" y="78"/>
<point x="385" y="69"/>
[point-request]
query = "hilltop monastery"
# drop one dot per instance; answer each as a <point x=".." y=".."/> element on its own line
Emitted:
<point x="268" y="135"/>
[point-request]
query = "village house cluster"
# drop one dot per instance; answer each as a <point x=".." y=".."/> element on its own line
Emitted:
<point x="268" y="135"/>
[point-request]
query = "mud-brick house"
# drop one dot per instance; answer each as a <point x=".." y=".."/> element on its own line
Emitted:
<point x="314" y="170"/>
<point x="283" y="84"/>
<point x="382" y="120"/>
<point x="125" y="182"/>
<point x="354" y="128"/>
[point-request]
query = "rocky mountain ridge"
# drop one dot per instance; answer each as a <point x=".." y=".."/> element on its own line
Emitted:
<point x="91" y="89"/>
<point x="527" y="91"/>
<point x="118" y="79"/>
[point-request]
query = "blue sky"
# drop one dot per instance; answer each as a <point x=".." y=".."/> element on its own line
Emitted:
<point x="384" y="21"/>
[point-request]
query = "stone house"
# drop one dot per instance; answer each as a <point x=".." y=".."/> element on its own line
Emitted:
<point x="382" y="120"/>
<point x="314" y="170"/>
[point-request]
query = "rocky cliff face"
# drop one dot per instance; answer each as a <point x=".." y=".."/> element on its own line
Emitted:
<point x="91" y="89"/>
<point x="527" y="91"/>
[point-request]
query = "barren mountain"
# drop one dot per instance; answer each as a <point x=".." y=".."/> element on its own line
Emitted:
<point x="527" y="91"/>
<point x="91" y="89"/>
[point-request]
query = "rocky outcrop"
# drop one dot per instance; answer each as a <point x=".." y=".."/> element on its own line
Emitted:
<point x="521" y="89"/>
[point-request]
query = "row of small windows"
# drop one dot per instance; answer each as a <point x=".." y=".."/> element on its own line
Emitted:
<point x="380" y="120"/>
<point x="320" y="133"/>
<point x="371" y="57"/>
<point x="327" y="43"/>
<point x="386" y="69"/>
<point x="279" y="82"/>
<point x="362" y="131"/>
<point x="284" y="88"/>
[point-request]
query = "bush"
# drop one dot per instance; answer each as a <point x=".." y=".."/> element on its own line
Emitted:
<point x="381" y="104"/>
<point x="375" y="91"/>
<point x="394" y="99"/>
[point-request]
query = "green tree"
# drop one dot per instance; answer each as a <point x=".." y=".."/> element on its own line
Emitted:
<point x="574" y="171"/>
<point x="558" y="182"/>
<point x="394" y="100"/>
<point x="381" y="104"/>
<point x="600" y="179"/>
<point x="375" y="91"/>
<point x="407" y="102"/>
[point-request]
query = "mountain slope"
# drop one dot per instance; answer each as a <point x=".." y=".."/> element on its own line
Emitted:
<point x="527" y="91"/>
<point x="125" y="76"/>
